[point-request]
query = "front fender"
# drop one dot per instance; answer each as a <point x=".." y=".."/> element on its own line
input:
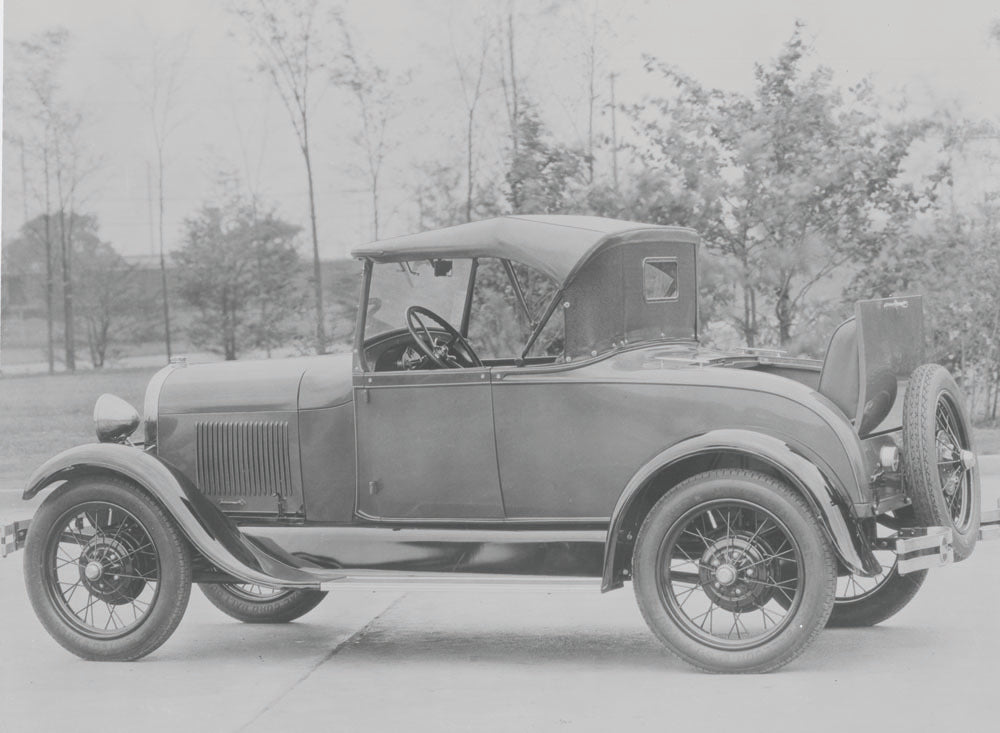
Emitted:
<point x="208" y="529"/>
<point x="831" y="505"/>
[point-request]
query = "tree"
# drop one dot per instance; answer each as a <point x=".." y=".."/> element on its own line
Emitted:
<point x="793" y="181"/>
<point x="110" y="304"/>
<point x="471" y="85"/>
<point x="375" y="96"/>
<point x="290" y="51"/>
<point x="159" y="85"/>
<point x="542" y="172"/>
<point x="240" y="270"/>
<point x="50" y="130"/>
<point x="113" y="304"/>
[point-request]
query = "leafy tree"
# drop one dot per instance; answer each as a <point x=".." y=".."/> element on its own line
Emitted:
<point x="543" y="174"/>
<point x="110" y="302"/>
<point x="49" y="128"/>
<point x="793" y="181"/>
<point x="240" y="271"/>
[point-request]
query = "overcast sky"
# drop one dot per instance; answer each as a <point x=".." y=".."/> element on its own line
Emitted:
<point x="939" y="52"/>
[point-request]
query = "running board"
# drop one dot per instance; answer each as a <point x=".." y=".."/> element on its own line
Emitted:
<point x="394" y="581"/>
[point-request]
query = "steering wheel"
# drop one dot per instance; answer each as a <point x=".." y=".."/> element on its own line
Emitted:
<point x="453" y="353"/>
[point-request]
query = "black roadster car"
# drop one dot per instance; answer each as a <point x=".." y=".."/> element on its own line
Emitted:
<point x="526" y="403"/>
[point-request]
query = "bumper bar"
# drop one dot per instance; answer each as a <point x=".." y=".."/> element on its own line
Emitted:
<point x="12" y="536"/>
<point x="921" y="548"/>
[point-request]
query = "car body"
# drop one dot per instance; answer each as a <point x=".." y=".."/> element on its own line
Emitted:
<point x="412" y="462"/>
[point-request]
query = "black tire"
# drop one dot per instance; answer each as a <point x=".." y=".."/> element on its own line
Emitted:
<point x="141" y="566"/>
<point x="254" y="604"/>
<point x="936" y="433"/>
<point x="717" y="525"/>
<point x="873" y="605"/>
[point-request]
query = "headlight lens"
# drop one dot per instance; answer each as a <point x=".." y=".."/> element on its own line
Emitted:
<point x="114" y="419"/>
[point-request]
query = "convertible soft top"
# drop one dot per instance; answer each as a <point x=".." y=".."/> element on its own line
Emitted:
<point x="555" y="245"/>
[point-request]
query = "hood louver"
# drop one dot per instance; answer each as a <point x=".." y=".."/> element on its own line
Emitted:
<point x="243" y="458"/>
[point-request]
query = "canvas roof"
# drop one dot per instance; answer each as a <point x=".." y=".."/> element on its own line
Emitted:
<point x="554" y="245"/>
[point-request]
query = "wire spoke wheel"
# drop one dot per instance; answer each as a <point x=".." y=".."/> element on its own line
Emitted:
<point x="954" y="473"/>
<point x="255" y="592"/>
<point x="102" y="571"/>
<point x="262" y="604"/>
<point x="942" y="478"/>
<point x="106" y="569"/>
<point x="732" y="571"/>
<point x="730" y="574"/>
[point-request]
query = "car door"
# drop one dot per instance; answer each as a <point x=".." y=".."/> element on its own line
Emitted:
<point x="426" y="449"/>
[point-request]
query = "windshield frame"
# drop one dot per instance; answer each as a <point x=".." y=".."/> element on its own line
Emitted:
<point x="537" y="323"/>
<point x="360" y="360"/>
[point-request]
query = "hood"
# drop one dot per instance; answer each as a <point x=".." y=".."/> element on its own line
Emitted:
<point x="251" y="386"/>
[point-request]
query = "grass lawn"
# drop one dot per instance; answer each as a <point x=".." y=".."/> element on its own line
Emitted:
<point x="42" y="415"/>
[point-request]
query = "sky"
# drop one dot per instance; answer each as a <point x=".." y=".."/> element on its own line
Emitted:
<point x="229" y="117"/>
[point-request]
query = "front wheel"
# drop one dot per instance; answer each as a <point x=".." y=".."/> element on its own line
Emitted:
<point x="258" y="604"/>
<point x="733" y="573"/>
<point x="107" y="571"/>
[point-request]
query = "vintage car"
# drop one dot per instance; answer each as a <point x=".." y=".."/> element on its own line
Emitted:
<point x="526" y="404"/>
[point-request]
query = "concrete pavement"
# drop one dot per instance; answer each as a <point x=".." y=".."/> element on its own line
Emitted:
<point x="463" y="661"/>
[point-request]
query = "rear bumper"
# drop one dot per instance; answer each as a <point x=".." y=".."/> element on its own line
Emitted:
<point x="930" y="547"/>
<point x="12" y="536"/>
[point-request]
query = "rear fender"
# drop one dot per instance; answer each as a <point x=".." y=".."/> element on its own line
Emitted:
<point x="829" y="505"/>
<point x="208" y="529"/>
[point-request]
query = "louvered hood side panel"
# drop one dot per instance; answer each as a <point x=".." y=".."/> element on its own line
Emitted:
<point x="248" y="458"/>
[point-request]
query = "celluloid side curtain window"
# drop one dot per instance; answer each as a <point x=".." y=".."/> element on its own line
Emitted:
<point x="659" y="279"/>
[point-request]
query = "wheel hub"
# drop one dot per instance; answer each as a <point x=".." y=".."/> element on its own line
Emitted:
<point x="733" y="573"/>
<point x="968" y="459"/>
<point x="726" y="574"/>
<point x="109" y="571"/>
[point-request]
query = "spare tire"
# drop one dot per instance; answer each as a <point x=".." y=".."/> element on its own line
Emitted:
<point x="940" y="465"/>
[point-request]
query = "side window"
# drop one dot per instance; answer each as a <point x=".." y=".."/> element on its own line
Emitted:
<point x="498" y="327"/>
<point x="659" y="278"/>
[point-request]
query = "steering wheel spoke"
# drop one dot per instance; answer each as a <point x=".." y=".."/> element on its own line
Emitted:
<point x="453" y="352"/>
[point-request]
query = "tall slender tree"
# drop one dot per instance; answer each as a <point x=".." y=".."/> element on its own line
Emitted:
<point x="61" y="162"/>
<point x="375" y="95"/>
<point x="290" y="49"/>
<point x="158" y="82"/>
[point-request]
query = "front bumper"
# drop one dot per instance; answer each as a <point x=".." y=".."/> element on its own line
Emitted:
<point x="12" y="536"/>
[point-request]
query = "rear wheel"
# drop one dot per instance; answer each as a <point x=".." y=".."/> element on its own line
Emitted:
<point x="863" y="601"/>
<point x="941" y="472"/>
<point x="258" y="604"/>
<point x="733" y="573"/>
<point x="107" y="571"/>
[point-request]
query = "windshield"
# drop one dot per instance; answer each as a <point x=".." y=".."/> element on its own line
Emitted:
<point x="395" y="286"/>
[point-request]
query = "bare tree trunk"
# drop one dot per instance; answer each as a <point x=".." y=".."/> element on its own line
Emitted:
<point x="468" y="166"/>
<point x="591" y="97"/>
<point x="66" y="246"/>
<point x="49" y="274"/>
<point x="614" y="136"/>
<point x="513" y="104"/>
<point x="317" y="270"/>
<point x="163" y="261"/>
<point x="783" y="312"/>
